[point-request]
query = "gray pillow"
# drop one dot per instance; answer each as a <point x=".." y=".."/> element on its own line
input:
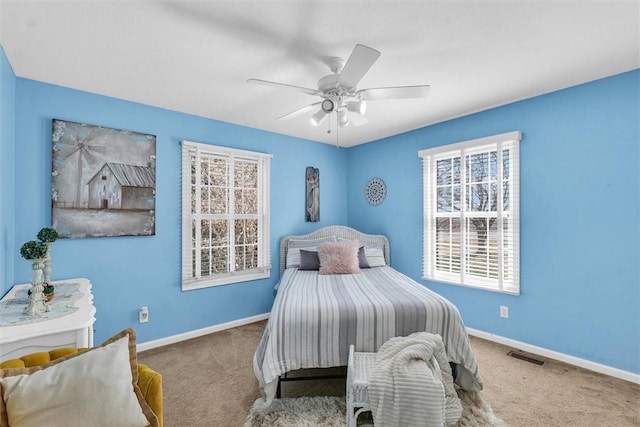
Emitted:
<point x="362" y="258"/>
<point x="309" y="260"/>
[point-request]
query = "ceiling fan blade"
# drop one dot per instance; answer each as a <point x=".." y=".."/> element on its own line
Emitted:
<point x="361" y="59"/>
<point x="285" y="86"/>
<point x="400" y="92"/>
<point x="300" y="111"/>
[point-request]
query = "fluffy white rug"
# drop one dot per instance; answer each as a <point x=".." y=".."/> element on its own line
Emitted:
<point x="329" y="411"/>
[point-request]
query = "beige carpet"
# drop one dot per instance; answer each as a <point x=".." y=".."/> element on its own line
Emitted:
<point x="209" y="381"/>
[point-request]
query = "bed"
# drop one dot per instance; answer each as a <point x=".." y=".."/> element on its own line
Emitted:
<point x="315" y="317"/>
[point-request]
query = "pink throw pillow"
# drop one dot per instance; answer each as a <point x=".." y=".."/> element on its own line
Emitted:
<point x="339" y="257"/>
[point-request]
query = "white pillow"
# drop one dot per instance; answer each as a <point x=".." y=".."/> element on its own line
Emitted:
<point x="91" y="389"/>
<point x="294" y="246"/>
<point x="374" y="255"/>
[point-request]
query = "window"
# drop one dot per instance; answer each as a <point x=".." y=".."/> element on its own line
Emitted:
<point x="225" y="215"/>
<point x="471" y="213"/>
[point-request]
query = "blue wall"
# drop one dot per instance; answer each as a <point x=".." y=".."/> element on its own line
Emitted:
<point x="580" y="187"/>
<point x="7" y="154"/>
<point x="130" y="272"/>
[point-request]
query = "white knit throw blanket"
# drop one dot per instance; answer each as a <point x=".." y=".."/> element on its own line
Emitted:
<point x="411" y="384"/>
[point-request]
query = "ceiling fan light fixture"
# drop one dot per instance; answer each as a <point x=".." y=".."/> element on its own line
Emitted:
<point x="343" y="118"/>
<point x="359" y="106"/>
<point x="318" y="117"/>
<point x="327" y="106"/>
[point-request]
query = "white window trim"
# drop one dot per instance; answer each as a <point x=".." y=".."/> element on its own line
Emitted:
<point x="264" y="248"/>
<point x="429" y="157"/>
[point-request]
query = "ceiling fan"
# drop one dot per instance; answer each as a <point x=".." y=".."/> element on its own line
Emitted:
<point x="339" y="90"/>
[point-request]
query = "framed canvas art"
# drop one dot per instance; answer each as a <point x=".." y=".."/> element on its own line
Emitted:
<point x="102" y="181"/>
<point x="312" y="202"/>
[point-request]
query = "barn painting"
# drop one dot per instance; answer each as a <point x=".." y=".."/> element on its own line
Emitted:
<point x="118" y="186"/>
<point x="103" y="181"/>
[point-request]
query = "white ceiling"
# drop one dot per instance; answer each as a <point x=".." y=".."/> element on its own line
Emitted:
<point x="195" y="56"/>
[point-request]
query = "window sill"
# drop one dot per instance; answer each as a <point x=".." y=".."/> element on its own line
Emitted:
<point x="483" y="287"/>
<point x="226" y="279"/>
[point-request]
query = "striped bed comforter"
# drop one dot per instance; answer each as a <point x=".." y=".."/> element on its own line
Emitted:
<point x="316" y="317"/>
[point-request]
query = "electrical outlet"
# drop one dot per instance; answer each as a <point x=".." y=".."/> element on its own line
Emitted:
<point x="143" y="315"/>
<point x="504" y="311"/>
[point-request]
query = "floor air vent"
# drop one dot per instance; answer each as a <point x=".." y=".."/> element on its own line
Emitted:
<point x="525" y="358"/>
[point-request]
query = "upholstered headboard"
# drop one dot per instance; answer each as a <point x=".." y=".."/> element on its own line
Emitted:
<point x="341" y="232"/>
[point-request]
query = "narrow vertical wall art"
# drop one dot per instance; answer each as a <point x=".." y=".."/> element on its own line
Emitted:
<point x="103" y="181"/>
<point x="312" y="203"/>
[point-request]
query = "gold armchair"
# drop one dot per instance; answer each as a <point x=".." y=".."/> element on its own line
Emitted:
<point x="149" y="381"/>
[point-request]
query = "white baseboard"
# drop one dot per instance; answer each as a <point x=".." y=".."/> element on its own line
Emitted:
<point x="572" y="360"/>
<point x="199" y="332"/>
<point x="550" y="354"/>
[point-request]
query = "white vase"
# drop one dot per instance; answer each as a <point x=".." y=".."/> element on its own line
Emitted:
<point x="37" y="304"/>
<point x="47" y="265"/>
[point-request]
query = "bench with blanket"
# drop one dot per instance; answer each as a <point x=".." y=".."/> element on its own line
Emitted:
<point x="410" y="383"/>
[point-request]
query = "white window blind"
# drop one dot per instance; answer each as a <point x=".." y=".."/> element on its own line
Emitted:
<point x="471" y="213"/>
<point x="225" y="215"/>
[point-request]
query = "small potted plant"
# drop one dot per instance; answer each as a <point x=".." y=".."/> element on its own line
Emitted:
<point x="48" y="291"/>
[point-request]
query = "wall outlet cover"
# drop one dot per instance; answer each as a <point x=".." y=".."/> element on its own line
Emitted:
<point x="504" y="311"/>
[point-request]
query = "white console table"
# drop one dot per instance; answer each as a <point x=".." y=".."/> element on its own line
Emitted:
<point x="68" y="324"/>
